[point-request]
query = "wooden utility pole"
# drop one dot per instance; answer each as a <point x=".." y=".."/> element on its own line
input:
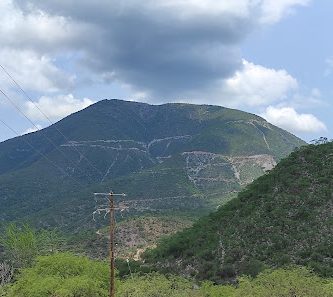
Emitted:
<point x="111" y="210"/>
<point x="112" y="232"/>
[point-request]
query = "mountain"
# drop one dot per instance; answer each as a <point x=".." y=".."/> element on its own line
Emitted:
<point x="168" y="158"/>
<point x="283" y="218"/>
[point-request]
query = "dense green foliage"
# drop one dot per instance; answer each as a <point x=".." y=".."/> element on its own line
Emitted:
<point x="62" y="275"/>
<point x="66" y="275"/>
<point x="285" y="217"/>
<point x="22" y="244"/>
<point x="138" y="149"/>
<point x="285" y="283"/>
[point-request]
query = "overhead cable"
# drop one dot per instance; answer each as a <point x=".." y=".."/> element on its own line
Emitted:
<point x="40" y="153"/>
<point x="48" y="118"/>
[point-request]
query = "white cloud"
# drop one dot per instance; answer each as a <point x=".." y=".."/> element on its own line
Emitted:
<point x="256" y="85"/>
<point x="35" y="29"/>
<point x="30" y="43"/>
<point x="252" y="86"/>
<point x="33" y="129"/>
<point x="56" y="107"/>
<point x="163" y="47"/>
<point x="33" y="71"/>
<point x="273" y="10"/>
<point x="288" y="118"/>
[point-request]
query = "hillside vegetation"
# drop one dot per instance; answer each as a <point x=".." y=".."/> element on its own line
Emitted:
<point x="285" y="217"/>
<point x="172" y="157"/>
<point x="65" y="275"/>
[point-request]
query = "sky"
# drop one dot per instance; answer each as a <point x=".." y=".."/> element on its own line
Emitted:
<point x="271" y="58"/>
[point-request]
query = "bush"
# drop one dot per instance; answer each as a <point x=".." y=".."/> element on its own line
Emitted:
<point x="66" y="275"/>
<point x="20" y="244"/>
<point x="153" y="285"/>
<point x="62" y="275"/>
<point x="285" y="283"/>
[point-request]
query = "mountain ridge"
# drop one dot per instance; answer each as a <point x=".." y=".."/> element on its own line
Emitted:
<point x="147" y="151"/>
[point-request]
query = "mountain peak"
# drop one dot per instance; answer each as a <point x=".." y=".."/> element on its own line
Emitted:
<point x="199" y="153"/>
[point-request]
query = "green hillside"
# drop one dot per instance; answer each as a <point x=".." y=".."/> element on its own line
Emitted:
<point x="283" y="218"/>
<point x="188" y="158"/>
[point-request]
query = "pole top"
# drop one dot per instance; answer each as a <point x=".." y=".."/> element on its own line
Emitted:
<point x="110" y="194"/>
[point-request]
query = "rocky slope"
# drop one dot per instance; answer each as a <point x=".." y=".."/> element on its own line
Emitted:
<point x="283" y="218"/>
<point x="171" y="157"/>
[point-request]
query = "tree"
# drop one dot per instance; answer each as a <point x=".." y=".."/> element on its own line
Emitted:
<point x="296" y="281"/>
<point x="20" y="245"/>
<point x="50" y="241"/>
<point x="62" y="275"/>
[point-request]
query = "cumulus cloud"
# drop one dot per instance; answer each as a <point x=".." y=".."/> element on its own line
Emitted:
<point x="256" y="85"/>
<point x="160" y="47"/>
<point x="156" y="48"/>
<point x="252" y="86"/>
<point x="268" y="10"/>
<point x="33" y="71"/>
<point x="272" y="10"/>
<point x="56" y="107"/>
<point x="30" y="44"/>
<point x="288" y="118"/>
<point x="37" y="30"/>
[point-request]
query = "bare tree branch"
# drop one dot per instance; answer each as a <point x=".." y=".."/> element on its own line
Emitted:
<point x="6" y="273"/>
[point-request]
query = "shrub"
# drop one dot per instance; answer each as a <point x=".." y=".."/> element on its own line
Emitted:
<point x="62" y="275"/>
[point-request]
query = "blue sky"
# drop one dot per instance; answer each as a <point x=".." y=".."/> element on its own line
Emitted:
<point x="301" y="44"/>
<point x="272" y="58"/>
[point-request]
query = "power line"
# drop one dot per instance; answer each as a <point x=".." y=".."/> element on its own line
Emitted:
<point x="150" y="200"/>
<point x="48" y="118"/>
<point x="126" y="205"/>
<point x="160" y="199"/>
<point x="40" y="153"/>
<point x="42" y="132"/>
<point x="163" y="198"/>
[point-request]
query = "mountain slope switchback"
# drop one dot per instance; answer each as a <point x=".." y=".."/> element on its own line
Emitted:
<point x="166" y="158"/>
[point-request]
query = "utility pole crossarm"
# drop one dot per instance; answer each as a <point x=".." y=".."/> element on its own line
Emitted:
<point x="109" y="194"/>
<point x="111" y="210"/>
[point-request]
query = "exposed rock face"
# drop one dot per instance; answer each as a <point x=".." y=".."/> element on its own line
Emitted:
<point x="173" y="157"/>
<point x="283" y="218"/>
<point x="203" y="168"/>
<point x="207" y="170"/>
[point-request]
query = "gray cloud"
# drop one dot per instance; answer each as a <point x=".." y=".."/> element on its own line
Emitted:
<point x="160" y="47"/>
<point x="155" y="49"/>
